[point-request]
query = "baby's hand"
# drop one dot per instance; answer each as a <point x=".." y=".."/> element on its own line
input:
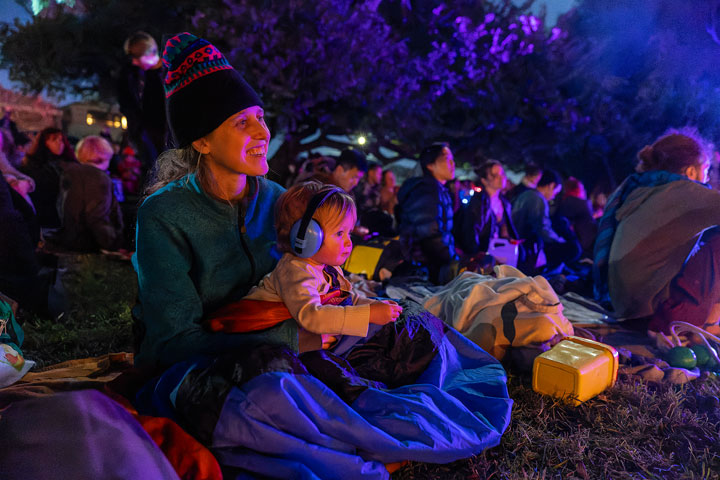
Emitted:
<point x="382" y="313"/>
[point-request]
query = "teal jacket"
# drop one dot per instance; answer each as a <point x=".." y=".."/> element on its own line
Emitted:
<point x="194" y="255"/>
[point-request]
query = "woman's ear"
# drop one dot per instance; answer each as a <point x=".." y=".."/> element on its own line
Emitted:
<point x="201" y="145"/>
<point x="692" y="172"/>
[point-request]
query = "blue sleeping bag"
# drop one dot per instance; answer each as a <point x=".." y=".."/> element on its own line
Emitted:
<point x="412" y="390"/>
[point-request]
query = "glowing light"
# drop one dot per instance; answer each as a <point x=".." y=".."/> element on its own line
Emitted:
<point x="472" y="192"/>
<point x="465" y="200"/>
<point x="116" y="121"/>
<point x="38" y="6"/>
<point x="89" y="119"/>
<point x="361" y="140"/>
<point x="123" y="122"/>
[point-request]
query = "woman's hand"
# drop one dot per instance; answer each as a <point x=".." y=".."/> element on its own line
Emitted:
<point x="384" y="312"/>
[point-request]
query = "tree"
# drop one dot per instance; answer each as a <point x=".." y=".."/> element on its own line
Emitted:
<point x="79" y="53"/>
<point x="636" y="68"/>
<point x="477" y="73"/>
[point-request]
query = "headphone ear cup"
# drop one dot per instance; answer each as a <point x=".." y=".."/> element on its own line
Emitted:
<point x="307" y="247"/>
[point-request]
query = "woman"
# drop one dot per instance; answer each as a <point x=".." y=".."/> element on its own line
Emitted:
<point x="205" y="235"/>
<point x="49" y="153"/>
<point x="657" y="250"/>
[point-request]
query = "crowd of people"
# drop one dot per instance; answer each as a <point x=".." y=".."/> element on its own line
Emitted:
<point x="214" y="235"/>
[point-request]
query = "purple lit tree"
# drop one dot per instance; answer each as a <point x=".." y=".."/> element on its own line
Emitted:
<point x="481" y="74"/>
<point x="404" y="72"/>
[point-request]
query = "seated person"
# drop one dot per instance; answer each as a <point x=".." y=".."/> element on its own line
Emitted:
<point x="48" y="155"/>
<point x="529" y="181"/>
<point x="388" y="192"/>
<point x="20" y="275"/>
<point x="367" y="191"/>
<point x="425" y="213"/>
<point x="350" y="167"/>
<point x="367" y="196"/>
<point x="658" y="249"/>
<point x="575" y="206"/>
<point x="309" y="280"/>
<point x="487" y="215"/>
<point x="531" y="216"/>
<point x="90" y="212"/>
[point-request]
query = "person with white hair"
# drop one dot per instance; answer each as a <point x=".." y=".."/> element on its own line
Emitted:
<point x="89" y="210"/>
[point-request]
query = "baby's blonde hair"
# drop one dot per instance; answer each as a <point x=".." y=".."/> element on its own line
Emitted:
<point x="292" y="204"/>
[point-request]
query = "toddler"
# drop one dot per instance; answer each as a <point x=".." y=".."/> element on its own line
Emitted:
<point x="313" y="223"/>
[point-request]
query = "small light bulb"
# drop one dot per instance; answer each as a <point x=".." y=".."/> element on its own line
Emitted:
<point x="361" y="140"/>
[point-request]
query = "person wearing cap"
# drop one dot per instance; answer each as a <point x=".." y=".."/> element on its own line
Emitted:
<point x="205" y="232"/>
<point x="205" y="235"/>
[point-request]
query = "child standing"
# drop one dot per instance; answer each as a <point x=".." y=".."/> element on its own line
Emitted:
<point x="309" y="280"/>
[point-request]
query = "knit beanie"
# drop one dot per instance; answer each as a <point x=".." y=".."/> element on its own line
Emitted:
<point x="202" y="89"/>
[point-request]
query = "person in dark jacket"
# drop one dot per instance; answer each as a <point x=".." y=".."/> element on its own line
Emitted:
<point x="44" y="163"/>
<point x="19" y="267"/>
<point x="529" y="181"/>
<point x="141" y="96"/>
<point x="91" y="215"/>
<point x="425" y="213"/>
<point x="531" y="214"/>
<point x="575" y="206"/>
<point x="488" y="212"/>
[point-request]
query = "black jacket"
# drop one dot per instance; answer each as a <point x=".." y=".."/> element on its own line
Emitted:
<point x="476" y="224"/>
<point x="91" y="216"/>
<point x="425" y="216"/>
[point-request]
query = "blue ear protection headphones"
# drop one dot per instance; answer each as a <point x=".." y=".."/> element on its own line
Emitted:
<point x="306" y="235"/>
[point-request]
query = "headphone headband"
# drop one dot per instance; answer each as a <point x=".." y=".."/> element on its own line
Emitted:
<point x="315" y="202"/>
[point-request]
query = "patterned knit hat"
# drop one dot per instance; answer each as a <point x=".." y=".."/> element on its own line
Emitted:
<point x="202" y="89"/>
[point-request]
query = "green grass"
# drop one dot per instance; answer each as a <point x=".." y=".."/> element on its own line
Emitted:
<point x="101" y="291"/>
<point x="635" y="430"/>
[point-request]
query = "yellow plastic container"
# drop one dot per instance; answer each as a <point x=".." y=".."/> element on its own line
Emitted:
<point x="363" y="260"/>
<point x="576" y="369"/>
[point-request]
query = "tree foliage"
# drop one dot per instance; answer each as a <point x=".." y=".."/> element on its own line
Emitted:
<point x="78" y="51"/>
<point x="485" y="75"/>
<point x="637" y="68"/>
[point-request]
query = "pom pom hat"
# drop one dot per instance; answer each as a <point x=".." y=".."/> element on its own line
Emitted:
<point x="202" y="89"/>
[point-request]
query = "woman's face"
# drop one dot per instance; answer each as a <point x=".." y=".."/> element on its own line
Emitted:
<point x="54" y="143"/>
<point x="238" y="146"/>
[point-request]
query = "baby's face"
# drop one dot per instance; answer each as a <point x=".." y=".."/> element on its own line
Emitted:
<point x="337" y="245"/>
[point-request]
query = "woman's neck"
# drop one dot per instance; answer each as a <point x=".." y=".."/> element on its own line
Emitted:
<point x="230" y="188"/>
